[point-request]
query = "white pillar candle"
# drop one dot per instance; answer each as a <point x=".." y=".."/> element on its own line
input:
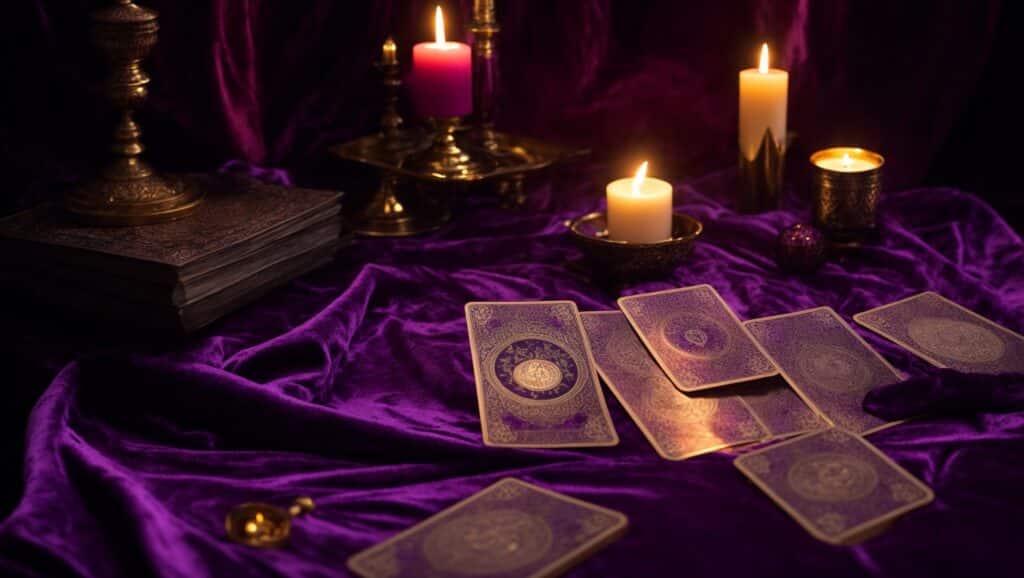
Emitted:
<point x="763" y="95"/>
<point x="639" y="208"/>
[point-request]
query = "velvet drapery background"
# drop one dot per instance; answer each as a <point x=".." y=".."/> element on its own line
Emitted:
<point x="272" y="83"/>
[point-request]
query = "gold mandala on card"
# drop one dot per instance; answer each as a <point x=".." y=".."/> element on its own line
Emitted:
<point x="537" y="379"/>
<point x="489" y="542"/>
<point x="955" y="339"/>
<point x="833" y="368"/>
<point x="832" y="477"/>
<point x="696" y="335"/>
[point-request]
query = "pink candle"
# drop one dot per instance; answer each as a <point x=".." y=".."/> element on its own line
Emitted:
<point x="442" y="77"/>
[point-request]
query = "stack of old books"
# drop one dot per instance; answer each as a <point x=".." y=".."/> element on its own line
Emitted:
<point x="244" y="239"/>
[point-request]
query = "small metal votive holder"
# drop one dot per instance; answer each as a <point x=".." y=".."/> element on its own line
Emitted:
<point x="624" y="260"/>
<point x="846" y="203"/>
<point x="760" y="179"/>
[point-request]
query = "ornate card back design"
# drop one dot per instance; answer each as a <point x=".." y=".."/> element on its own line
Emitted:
<point x="678" y="425"/>
<point x="696" y="338"/>
<point x="826" y="363"/>
<point x="536" y="381"/>
<point x="834" y="483"/>
<point x="510" y="529"/>
<point x="947" y="334"/>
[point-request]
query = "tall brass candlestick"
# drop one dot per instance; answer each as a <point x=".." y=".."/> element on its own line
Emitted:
<point x="389" y="213"/>
<point x="128" y="191"/>
<point x="485" y="70"/>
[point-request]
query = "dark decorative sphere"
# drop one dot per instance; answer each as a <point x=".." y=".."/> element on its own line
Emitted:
<point x="800" y="248"/>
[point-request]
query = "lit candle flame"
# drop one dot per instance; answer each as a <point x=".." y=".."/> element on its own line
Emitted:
<point x="439" y="26"/>
<point x="641" y="174"/>
<point x="762" y="67"/>
<point x="846" y="160"/>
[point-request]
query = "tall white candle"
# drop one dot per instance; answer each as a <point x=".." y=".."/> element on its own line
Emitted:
<point x="763" y="95"/>
<point x="639" y="208"/>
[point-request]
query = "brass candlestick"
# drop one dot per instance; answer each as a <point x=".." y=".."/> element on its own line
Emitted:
<point x="760" y="178"/>
<point x="485" y="71"/>
<point x="390" y="213"/>
<point x="128" y="191"/>
<point x="444" y="159"/>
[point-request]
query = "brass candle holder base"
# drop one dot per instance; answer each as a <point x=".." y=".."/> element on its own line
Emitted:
<point x="393" y="214"/>
<point x="138" y="201"/>
<point x="624" y="261"/>
<point x="760" y="179"/>
<point x="444" y="158"/>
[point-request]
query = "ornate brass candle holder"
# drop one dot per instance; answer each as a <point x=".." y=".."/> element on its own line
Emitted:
<point x="621" y="260"/>
<point x="760" y="178"/>
<point x="391" y="212"/>
<point x="847" y="186"/>
<point x="444" y="159"/>
<point x="128" y="191"/>
<point x="264" y="525"/>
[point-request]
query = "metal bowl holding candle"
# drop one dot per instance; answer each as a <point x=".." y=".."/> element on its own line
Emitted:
<point x="847" y="186"/>
<point x="625" y="260"/>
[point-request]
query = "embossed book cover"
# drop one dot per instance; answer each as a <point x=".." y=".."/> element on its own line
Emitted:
<point x="947" y="334"/>
<point x="834" y="483"/>
<point x="828" y="364"/>
<point x="678" y="425"/>
<point x="511" y="529"/>
<point x="237" y="217"/>
<point x="535" y="377"/>
<point x="696" y="338"/>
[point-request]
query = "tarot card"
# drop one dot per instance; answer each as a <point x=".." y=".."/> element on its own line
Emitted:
<point x="677" y="425"/>
<point x="509" y="529"/>
<point x="828" y="364"/>
<point x="778" y="407"/>
<point x="536" y="383"/>
<point x="695" y="338"/>
<point x="946" y="334"/>
<point x="834" y="483"/>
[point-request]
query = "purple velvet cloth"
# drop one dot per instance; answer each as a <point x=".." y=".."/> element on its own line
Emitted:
<point x="354" y="385"/>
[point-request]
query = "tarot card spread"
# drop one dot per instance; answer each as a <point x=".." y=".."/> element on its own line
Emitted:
<point x="695" y="338"/>
<point x="946" y="334"/>
<point x="510" y="529"/>
<point x="535" y="378"/>
<point x="677" y="425"/>
<point x="828" y="364"/>
<point x="835" y="484"/>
